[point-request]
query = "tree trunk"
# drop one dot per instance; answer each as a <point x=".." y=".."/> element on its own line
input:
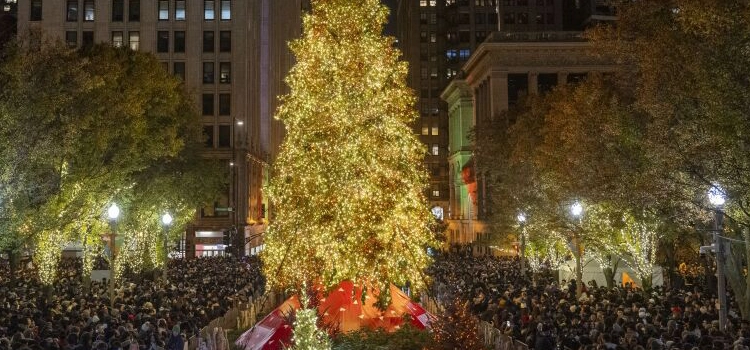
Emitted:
<point x="609" y="276"/>
<point x="646" y="281"/>
<point x="579" y="273"/>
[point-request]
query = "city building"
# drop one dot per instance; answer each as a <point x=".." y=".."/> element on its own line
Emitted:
<point x="437" y="37"/>
<point x="232" y="54"/>
<point x="503" y="69"/>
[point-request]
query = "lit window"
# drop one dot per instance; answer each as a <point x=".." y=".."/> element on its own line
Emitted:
<point x="464" y="54"/>
<point x="226" y="10"/>
<point x="433" y="73"/>
<point x="435" y="149"/>
<point x="134" y="39"/>
<point x="435" y="130"/>
<point x="433" y="37"/>
<point x="425" y="129"/>
<point x="88" y="10"/>
<point x="436" y="193"/>
<point x="433" y="3"/>
<point x="163" y="10"/>
<point x="423" y="3"/>
<point x="208" y="10"/>
<point x="117" y="39"/>
<point x="225" y="72"/>
<point x="179" y="10"/>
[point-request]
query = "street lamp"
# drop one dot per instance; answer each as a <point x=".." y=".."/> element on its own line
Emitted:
<point x="521" y="222"/>
<point x="113" y="212"/>
<point x="166" y="220"/>
<point x="717" y="200"/>
<point x="576" y="209"/>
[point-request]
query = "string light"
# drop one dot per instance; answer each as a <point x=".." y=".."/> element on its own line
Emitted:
<point x="348" y="188"/>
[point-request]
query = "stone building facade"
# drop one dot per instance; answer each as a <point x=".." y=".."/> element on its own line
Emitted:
<point x="232" y="54"/>
<point x="503" y="69"/>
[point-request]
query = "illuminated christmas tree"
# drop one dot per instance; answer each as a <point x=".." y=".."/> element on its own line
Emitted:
<point x="307" y="335"/>
<point x="348" y="185"/>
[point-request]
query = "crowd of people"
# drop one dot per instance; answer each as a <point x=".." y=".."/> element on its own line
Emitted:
<point x="545" y="314"/>
<point x="149" y="312"/>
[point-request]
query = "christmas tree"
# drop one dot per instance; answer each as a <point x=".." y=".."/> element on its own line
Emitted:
<point x="307" y="336"/>
<point x="348" y="184"/>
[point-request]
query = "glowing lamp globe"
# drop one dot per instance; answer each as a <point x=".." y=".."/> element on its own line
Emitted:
<point x="521" y="218"/>
<point x="166" y="219"/>
<point x="576" y="209"/>
<point x="113" y="212"/>
<point x="716" y="196"/>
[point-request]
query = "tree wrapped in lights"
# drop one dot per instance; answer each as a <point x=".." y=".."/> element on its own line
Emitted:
<point x="639" y="242"/>
<point x="307" y="335"/>
<point x="348" y="183"/>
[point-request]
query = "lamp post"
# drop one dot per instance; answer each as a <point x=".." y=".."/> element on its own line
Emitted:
<point x="716" y="198"/>
<point x="576" y="209"/>
<point x="166" y="221"/>
<point x="113" y="212"/>
<point x="522" y="222"/>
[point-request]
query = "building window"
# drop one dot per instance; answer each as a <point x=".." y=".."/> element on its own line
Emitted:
<point x="208" y="72"/>
<point x="134" y="10"/>
<point x="179" y="41"/>
<point x="451" y="55"/>
<point x="163" y="10"/>
<point x="225" y="72"/>
<point x="509" y="18"/>
<point x="118" y="10"/>
<point x="225" y="104"/>
<point x="433" y="73"/>
<point x="433" y="37"/>
<point x="208" y="10"/>
<point x="423" y="3"/>
<point x="464" y="54"/>
<point x="208" y="136"/>
<point x="435" y="149"/>
<point x="226" y="10"/>
<point x="179" y="70"/>
<point x="522" y="18"/>
<point x="179" y="10"/>
<point x="117" y="39"/>
<point x="208" y="104"/>
<point x="435" y="130"/>
<point x="162" y="41"/>
<point x="134" y="40"/>
<point x="89" y="11"/>
<point x="225" y="136"/>
<point x="423" y="37"/>
<point x="436" y="193"/>
<point x="87" y="39"/>
<point x="72" y="11"/>
<point x="208" y="41"/>
<point x="36" y="10"/>
<point x="464" y="36"/>
<point x="225" y="41"/>
<point x="71" y="39"/>
<point x="425" y="129"/>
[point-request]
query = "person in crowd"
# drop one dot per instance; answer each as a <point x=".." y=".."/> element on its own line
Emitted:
<point x="148" y="313"/>
<point x="545" y="314"/>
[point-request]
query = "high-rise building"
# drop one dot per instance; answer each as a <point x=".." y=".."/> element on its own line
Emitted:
<point x="437" y="38"/>
<point x="231" y="53"/>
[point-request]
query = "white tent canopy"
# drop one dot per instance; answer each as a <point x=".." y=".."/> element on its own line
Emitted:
<point x="592" y="271"/>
